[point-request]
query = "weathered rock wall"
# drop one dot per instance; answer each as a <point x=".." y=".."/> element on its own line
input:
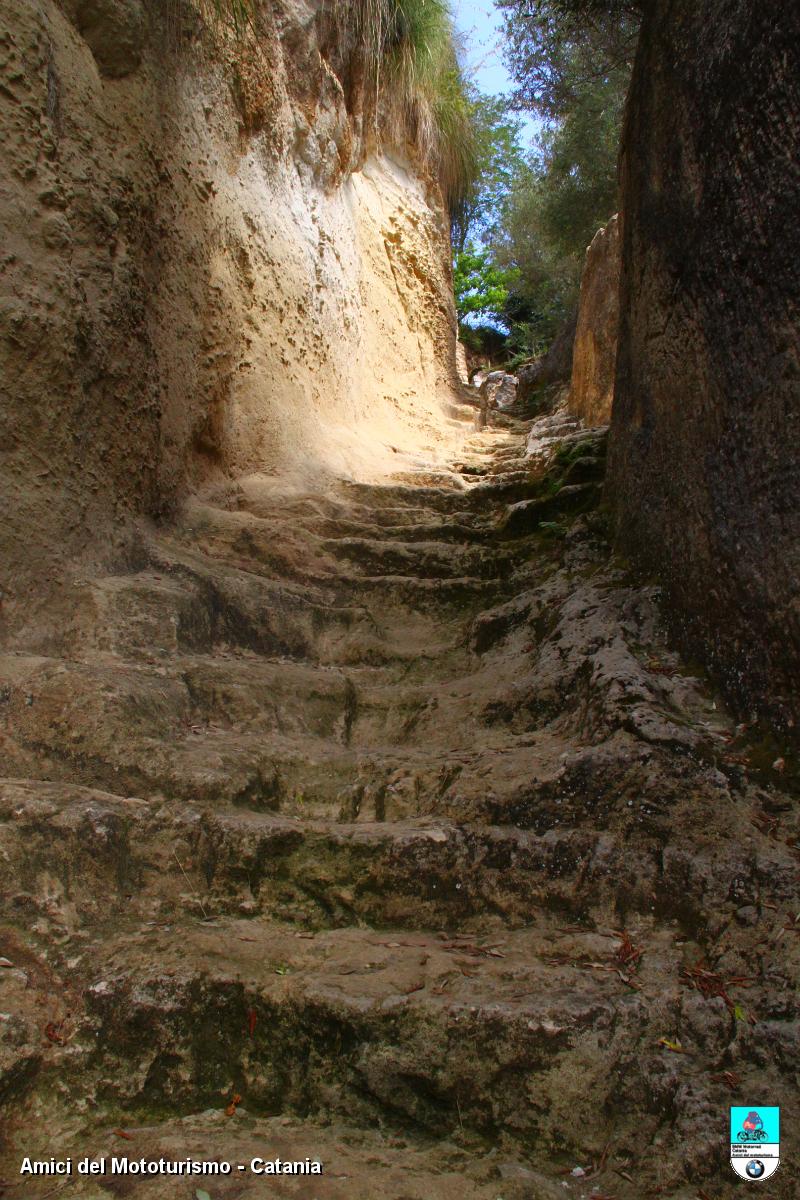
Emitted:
<point x="553" y="367"/>
<point x="704" y="468"/>
<point x="594" y="353"/>
<point x="208" y="270"/>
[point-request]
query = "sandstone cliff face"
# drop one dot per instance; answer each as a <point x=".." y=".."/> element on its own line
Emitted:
<point x="704" y="468"/>
<point x="209" y="270"/>
<point x="594" y="352"/>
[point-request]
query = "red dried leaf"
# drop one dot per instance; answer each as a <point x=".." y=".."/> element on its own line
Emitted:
<point x="627" y="954"/>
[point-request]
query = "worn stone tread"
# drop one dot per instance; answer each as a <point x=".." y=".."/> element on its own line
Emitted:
<point x="410" y="790"/>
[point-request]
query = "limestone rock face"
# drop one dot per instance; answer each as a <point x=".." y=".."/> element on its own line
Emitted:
<point x="462" y="367"/>
<point x="114" y="31"/>
<point x="594" y="352"/>
<point x="499" y="389"/>
<point x="209" y="272"/>
<point x="705" y="475"/>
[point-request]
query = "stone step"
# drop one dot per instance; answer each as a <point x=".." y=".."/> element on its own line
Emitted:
<point x="426" y="561"/>
<point x="366" y="846"/>
<point x="126" y="854"/>
<point x="528" y="516"/>
<point x="466" y="530"/>
<point x="364" y="514"/>
<point x="493" y="1036"/>
<point x="269" y="734"/>
<point x="163" y="717"/>
<point x="255" y="609"/>
<point x="407" y="498"/>
<point x="174" y="609"/>
<point x="97" y="854"/>
<point x="368" y="1164"/>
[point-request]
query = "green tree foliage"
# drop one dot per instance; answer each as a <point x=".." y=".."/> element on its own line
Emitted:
<point x="557" y="47"/>
<point x="498" y="159"/>
<point x="481" y="286"/>
<point x="577" y="176"/>
<point x="571" y="61"/>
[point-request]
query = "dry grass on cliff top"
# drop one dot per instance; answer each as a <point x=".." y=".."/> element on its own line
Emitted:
<point x="413" y="74"/>
<point x="412" y="66"/>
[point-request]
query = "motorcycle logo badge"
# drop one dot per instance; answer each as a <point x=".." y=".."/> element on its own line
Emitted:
<point x="755" y="1141"/>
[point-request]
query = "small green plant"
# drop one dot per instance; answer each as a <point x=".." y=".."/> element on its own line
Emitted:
<point x="569" y="452"/>
<point x="553" y="529"/>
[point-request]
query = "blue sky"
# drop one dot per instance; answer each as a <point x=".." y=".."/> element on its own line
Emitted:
<point x="480" y="26"/>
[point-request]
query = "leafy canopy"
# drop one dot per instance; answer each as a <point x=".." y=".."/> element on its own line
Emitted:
<point x="498" y="159"/>
<point x="480" y="285"/>
<point x="571" y="62"/>
<point x="555" y="48"/>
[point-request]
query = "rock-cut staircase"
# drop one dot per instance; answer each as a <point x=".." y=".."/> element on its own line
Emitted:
<point x="382" y="826"/>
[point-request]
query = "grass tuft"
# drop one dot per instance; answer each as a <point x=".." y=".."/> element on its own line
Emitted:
<point x="411" y="67"/>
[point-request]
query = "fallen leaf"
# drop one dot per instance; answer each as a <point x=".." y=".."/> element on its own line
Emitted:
<point x="628" y="955"/>
<point x="251" y="1021"/>
<point x="710" y="983"/>
<point x="675" y="1047"/>
<point x="6" y="962"/>
<point x="730" y="1078"/>
<point x="122" y="1134"/>
<point x="200" y="1194"/>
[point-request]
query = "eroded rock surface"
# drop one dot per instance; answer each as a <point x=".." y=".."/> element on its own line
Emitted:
<point x="551" y="369"/>
<point x="704" y="471"/>
<point x="208" y="269"/>
<point x="389" y="810"/>
<point x="594" y="354"/>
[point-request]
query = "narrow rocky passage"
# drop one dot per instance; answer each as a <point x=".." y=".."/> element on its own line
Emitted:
<point x="382" y="826"/>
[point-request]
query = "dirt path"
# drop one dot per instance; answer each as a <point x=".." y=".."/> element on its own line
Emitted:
<point x="390" y="812"/>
